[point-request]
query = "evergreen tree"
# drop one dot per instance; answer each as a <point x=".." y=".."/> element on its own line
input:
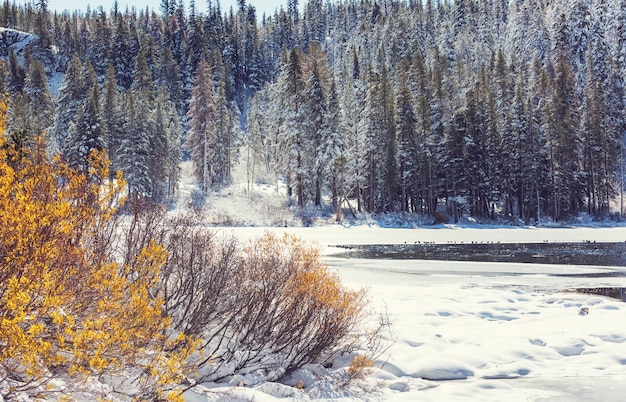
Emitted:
<point x="19" y="127"/>
<point x="165" y="153"/>
<point x="143" y="83"/>
<point x="427" y="145"/>
<point x="408" y="155"/>
<point x="169" y="75"/>
<point x="333" y="148"/>
<point x="478" y="165"/>
<point x="85" y="134"/>
<point x="505" y="145"/>
<point x="43" y="30"/>
<point x="99" y="49"/>
<point x="203" y="130"/>
<point x="112" y="117"/>
<point x="134" y="151"/>
<point x="227" y="138"/>
<point x="523" y="157"/>
<point x="195" y="38"/>
<point x="314" y="112"/>
<point x="260" y="144"/>
<point x="354" y="129"/>
<point x="40" y="104"/>
<point x="578" y="20"/>
<point x="71" y="95"/>
<point x="291" y="94"/>
<point x="564" y="144"/>
<point x="122" y="55"/>
<point x="383" y="147"/>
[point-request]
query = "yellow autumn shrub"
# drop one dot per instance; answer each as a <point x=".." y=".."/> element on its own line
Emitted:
<point x="67" y="309"/>
<point x="360" y="368"/>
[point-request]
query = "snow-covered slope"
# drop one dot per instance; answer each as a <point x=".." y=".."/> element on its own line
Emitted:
<point x="18" y="40"/>
<point x="257" y="203"/>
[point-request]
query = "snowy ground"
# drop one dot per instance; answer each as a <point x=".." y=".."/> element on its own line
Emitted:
<point x="474" y="331"/>
<point x="460" y="330"/>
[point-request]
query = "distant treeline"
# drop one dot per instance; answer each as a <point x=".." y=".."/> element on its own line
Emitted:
<point x="496" y="109"/>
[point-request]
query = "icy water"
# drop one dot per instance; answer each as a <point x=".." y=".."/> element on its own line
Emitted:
<point x="590" y="253"/>
<point x="581" y="254"/>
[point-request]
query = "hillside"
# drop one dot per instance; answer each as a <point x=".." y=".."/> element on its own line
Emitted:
<point x="495" y="111"/>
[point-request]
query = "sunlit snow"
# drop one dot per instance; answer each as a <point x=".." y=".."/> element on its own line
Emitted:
<point x="471" y="331"/>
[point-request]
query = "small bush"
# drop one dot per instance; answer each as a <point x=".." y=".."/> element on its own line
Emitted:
<point x="360" y="368"/>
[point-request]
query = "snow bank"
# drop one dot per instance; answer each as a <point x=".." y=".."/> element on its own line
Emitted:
<point x="476" y="331"/>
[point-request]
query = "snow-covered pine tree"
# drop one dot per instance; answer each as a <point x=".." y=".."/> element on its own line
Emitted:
<point x="333" y="150"/>
<point x="578" y="21"/>
<point x="71" y="95"/>
<point x="354" y="129"/>
<point x="592" y="130"/>
<point x="174" y="132"/>
<point x="406" y="127"/>
<point x="165" y="154"/>
<point x="315" y="18"/>
<point x="537" y="109"/>
<point x="314" y="113"/>
<point x="169" y="75"/>
<point x="526" y="35"/>
<point x="142" y="82"/>
<point x="260" y="151"/>
<point x="45" y="40"/>
<point x="99" y="49"/>
<point x="504" y="145"/>
<point x="40" y="104"/>
<point x="372" y="142"/>
<point x="196" y="44"/>
<point x="112" y="117"/>
<point x="523" y="157"/>
<point x="453" y="169"/>
<point x="383" y="173"/>
<point x="257" y="68"/>
<point x="564" y="143"/>
<point x="427" y="146"/>
<point x="291" y="86"/>
<point x="122" y="56"/>
<point x="616" y="37"/>
<point x="17" y="75"/>
<point x="18" y="122"/>
<point x="85" y="133"/>
<point x="134" y="151"/>
<point x="226" y="139"/>
<point x="477" y="165"/>
<point x="611" y="82"/>
<point x="203" y="126"/>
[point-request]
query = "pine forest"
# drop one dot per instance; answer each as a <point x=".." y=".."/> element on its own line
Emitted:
<point x="492" y="109"/>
